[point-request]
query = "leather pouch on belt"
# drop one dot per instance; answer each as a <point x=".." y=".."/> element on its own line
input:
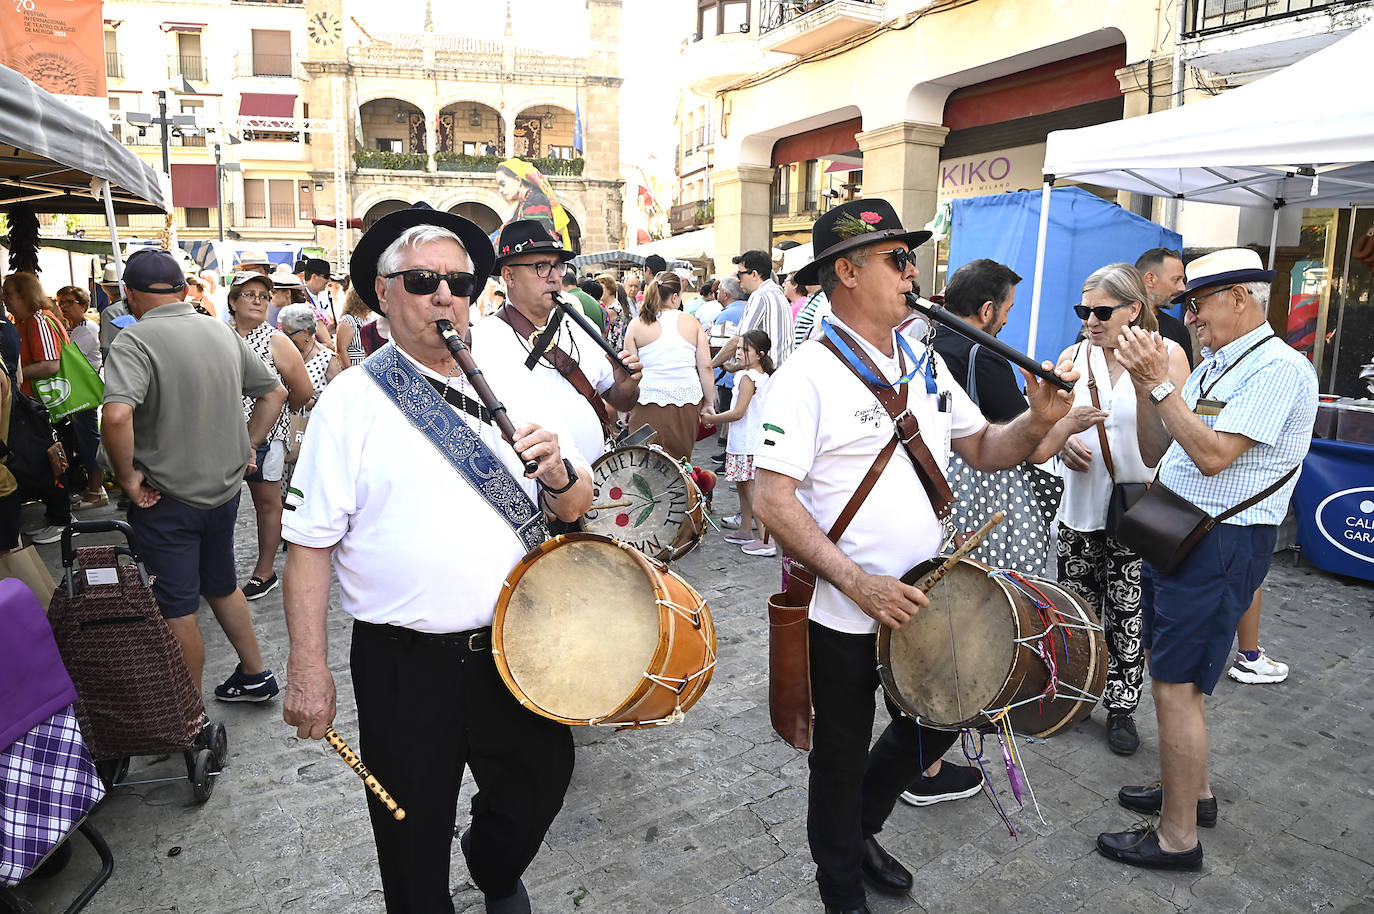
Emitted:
<point x="789" y="659"/>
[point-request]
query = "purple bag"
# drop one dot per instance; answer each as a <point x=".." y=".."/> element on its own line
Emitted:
<point x="48" y="782"/>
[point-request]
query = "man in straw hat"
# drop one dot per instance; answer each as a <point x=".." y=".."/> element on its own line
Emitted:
<point x="1238" y="429"/>
<point x="824" y="430"/>
<point x="408" y="488"/>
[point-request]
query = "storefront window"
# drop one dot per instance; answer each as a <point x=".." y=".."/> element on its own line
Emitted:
<point x="1330" y="304"/>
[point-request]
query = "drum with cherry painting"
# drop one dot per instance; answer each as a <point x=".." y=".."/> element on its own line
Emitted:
<point x="647" y="499"/>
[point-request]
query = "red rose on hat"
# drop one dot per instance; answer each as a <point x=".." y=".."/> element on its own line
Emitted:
<point x="871" y="218"/>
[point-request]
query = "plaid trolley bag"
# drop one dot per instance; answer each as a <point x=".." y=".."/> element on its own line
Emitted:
<point x="48" y="783"/>
<point x="134" y="693"/>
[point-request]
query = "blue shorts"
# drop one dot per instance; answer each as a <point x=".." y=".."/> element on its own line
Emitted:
<point x="190" y="550"/>
<point x="1189" y="618"/>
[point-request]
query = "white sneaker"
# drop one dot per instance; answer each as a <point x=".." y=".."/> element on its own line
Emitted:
<point x="758" y="547"/>
<point x="44" y="535"/>
<point x="1257" y="671"/>
<point x="731" y="522"/>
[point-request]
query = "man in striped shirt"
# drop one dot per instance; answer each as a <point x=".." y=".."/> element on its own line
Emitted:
<point x="1240" y="425"/>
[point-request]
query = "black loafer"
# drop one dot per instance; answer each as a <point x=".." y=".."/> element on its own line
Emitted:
<point x="1150" y="798"/>
<point x="861" y="909"/>
<point x="883" y="871"/>
<point x="517" y="902"/>
<point x="1140" y="847"/>
<point x="1121" y="736"/>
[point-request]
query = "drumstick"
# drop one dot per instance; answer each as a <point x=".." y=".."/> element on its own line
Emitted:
<point x="353" y="761"/>
<point x="610" y="504"/>
<point x="969" y="545"/>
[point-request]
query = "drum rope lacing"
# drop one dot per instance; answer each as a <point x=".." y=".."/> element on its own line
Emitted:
<point x="675" y="685"/>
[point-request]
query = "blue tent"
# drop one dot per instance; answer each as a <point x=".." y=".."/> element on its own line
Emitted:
<point x="1085" y="232"/>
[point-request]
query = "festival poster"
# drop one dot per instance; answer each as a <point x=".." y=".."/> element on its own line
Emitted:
<point x="59" y="44"/>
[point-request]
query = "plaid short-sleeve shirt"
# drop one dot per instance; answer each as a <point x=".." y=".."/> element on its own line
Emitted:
<point x="1270" y="397"/>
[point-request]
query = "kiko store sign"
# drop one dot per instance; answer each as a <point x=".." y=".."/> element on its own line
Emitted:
<point x="1018" y="168"/>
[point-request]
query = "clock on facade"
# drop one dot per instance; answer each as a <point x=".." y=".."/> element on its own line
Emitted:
<point x="324" y="28"/>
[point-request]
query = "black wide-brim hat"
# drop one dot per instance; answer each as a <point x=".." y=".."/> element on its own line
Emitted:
<point x="851" y="225"/>
<point x="528" y="236"/>
<point x="362" y="266"/>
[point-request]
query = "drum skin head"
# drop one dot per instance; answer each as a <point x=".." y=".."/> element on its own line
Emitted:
<point x="954" y="656"/>
<point x="580" y="629"/>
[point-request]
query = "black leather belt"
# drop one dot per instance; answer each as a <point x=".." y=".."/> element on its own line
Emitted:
<point x="476" y="640"/>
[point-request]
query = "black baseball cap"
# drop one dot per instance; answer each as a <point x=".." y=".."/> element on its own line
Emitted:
<point x="153" y="270"/>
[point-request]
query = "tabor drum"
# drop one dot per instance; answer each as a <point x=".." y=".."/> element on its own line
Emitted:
<point x="991" y="640"/>
<point x="588" y="630"/>
<point x="645" y="498"/>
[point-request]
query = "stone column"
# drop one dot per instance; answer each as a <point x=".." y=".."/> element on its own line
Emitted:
<point x="743" y="221"/>
<point x="902" y="166"/>
<point x="431" y="138"/>
<point x="600" y="103"/>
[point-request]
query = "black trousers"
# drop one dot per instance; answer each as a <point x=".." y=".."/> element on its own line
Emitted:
<point x="426" y="710"/>
<point x="852" y="788"/>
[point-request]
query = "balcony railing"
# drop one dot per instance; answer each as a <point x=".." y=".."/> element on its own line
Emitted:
<point x="1206" y="16"/>
<point x="687" y="216"/>
<point x="777" y="13"/>
<point x="262" y="215"/>
<point x="391" y="161"/>
<point x="276" y="65"/>
<point x="114" y="65"/>
<point x="191" y="66"/>
<point x="803" y="203"/>
<point x="153" y="137"/>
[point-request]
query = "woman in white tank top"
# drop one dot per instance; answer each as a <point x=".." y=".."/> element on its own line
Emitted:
<point x="1092" y="561"/>
<point x="676" y="359"/>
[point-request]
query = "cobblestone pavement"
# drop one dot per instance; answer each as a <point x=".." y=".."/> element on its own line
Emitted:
<point x="710" y="815"/>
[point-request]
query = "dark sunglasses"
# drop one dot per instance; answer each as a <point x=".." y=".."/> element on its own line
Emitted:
<point x="426" y="282"/>
<point x="1101" y="312"/>
<point x="901" y="258"/>
<point x="1191" y="303"/>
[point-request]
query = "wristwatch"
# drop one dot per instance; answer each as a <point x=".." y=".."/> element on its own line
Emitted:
<point x="1159" y="393"/>
<point x="572" y="479"/>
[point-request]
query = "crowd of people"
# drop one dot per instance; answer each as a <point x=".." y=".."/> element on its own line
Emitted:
<point x="339" y="402"/>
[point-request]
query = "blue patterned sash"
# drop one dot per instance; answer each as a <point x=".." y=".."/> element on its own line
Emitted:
<point x="460" y="446"/>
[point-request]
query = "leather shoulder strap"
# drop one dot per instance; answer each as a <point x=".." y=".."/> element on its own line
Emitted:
<point x="856" y="500"/>
<point x="1101" y="426"/>
<point x="905" y="427"/>
<point x="562" y="363"/>
<point x="1256" y="499"/>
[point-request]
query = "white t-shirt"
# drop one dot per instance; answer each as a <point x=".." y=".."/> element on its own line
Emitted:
<point x="747" y="434"/>
<point x="1086" y="493"/>
<point x="824" y="427"/>
<point x="501" y="355"/>
<point x="414" y="544"/>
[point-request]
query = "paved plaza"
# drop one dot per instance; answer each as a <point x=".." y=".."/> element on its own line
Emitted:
<point x="710" y="815"/>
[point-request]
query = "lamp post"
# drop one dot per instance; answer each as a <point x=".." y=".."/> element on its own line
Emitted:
<point x="220" y="168"/>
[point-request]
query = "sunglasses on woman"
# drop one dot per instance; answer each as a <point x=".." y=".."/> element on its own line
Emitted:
<point x="426" y="282"/>
<point x="1101" y="312"/>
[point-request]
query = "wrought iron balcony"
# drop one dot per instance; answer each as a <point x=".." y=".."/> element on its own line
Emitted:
<point x="802" y="26"/>
<point x="1210" y="16"/>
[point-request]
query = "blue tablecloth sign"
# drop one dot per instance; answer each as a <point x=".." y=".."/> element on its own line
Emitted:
<point x="1335" y="506"/>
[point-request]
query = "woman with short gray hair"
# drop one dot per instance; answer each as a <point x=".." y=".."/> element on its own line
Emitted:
<point x="321" y="364"/>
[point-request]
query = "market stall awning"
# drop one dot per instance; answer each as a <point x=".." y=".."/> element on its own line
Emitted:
<point x="1275" y="138"/>
<point x="609" y="258"/>
<point x="53" y="157"/>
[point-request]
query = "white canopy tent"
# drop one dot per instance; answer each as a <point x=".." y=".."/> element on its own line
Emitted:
<point x="1292" y="138"/>
<point x="698" y="246"/>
